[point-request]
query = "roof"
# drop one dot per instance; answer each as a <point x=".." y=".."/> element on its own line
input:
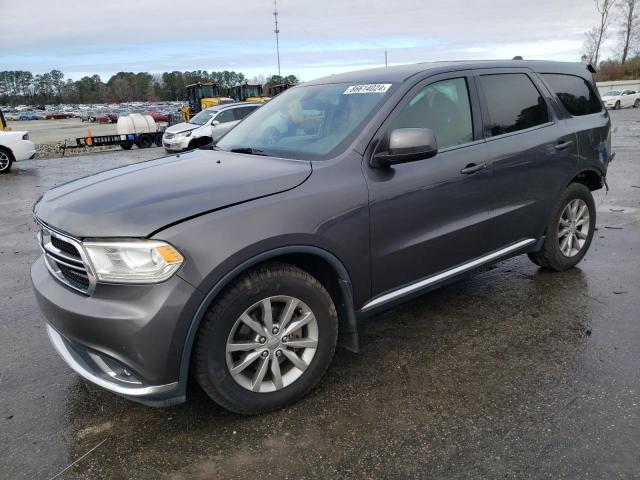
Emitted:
<point x="401" y="73"/>
<point x="224" y="106"/>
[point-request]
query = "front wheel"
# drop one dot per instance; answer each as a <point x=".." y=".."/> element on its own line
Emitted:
<point x="267" y="341"/>
<point x="569" y="230"/>
<point x="617" y="105"/>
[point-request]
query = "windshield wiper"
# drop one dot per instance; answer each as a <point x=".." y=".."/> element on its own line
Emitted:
<point x="250" y="151"/>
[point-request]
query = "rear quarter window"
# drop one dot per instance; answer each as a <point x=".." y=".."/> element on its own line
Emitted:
<point x="575" y="93"/>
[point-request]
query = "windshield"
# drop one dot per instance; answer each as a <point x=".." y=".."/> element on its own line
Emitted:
<point x="203" y="117"/>
<point x="307" y="122"/>
<point x="612" y="93"/>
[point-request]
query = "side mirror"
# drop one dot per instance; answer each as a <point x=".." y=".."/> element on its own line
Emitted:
<point x="215" y="122"/>
<point x="407" y="145"/>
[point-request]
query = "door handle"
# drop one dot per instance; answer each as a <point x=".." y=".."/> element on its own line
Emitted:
<point x="563" y="145"/>
<point x="473" y="168"/>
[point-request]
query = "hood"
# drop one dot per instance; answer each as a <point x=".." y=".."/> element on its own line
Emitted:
<point x="181" y="127"/>
<point x="139" y="199"/>
<point x="609" y="97"/>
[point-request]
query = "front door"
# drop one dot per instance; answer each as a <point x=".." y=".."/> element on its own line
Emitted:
<point x="430" y="215"/>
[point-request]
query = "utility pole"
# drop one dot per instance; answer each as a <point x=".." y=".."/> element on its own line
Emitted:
<point x="277" y="32"/>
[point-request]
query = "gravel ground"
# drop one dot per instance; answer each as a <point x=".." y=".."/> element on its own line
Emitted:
<point x="513" y="373"/>
<point x="48" y="135"/>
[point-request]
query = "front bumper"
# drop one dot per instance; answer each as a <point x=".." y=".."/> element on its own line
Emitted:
<point x="175" y="144"/>
<point x="127" y="339"/>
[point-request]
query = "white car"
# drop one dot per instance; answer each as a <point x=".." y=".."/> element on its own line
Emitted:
<point x="617" y="99"/>
<point x="14" y="146"/>
<point x="207" y="126"/>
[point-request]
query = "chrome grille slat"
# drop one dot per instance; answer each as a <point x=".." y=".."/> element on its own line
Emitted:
<point x="65" y="259"/>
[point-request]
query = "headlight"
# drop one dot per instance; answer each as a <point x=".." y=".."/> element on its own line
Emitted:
<point x="183" y="134"/>
<point x="144" y="261"/>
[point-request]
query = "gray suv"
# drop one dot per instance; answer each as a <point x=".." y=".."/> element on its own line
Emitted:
<point x="244" y="264"/>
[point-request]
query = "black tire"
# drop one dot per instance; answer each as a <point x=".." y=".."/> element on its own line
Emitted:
<point x="145" y="141"/>
<point x="158" y="139"/>
<point x="6" y="160"/>
<point x="210" y="362"/>
<point x="126" y="146"/>
<point x="551" y="256"/>
<point x="617" y="105"/>
<point x="636" y="104"/>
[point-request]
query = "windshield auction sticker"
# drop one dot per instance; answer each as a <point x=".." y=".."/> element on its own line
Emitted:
<point x="373" y="88"/>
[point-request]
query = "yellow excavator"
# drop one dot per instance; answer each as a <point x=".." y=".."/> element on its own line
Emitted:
<point x="3" y="123"/>
<point x="201" y="96"/>
<point x="248" y="92"/>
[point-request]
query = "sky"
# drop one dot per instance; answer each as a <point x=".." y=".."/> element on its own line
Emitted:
<point x="317" y="38"/>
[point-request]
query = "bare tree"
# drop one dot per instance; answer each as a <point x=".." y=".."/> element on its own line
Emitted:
<point x="628" y="27"/>
<point x="597" y="34"/>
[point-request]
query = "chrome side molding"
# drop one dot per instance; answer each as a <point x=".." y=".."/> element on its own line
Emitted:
<point x="438" y="277"/>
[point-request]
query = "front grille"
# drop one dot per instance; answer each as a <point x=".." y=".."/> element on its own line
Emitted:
<point x="64" y="259"/>
<point x="65" y="247"/>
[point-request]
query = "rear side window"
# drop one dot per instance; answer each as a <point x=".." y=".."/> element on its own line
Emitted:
<point x="513" y="102"/>
<point x="575" y="93"/>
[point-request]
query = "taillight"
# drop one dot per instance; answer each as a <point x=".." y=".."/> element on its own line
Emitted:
<point x="25" y="136"/>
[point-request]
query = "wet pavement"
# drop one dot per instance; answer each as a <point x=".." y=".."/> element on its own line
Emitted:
<point x="513" y="373"/>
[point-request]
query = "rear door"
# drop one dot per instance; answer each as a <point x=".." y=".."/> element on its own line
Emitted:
<point x="531" y="152"/>
<point x="430" y="215"/>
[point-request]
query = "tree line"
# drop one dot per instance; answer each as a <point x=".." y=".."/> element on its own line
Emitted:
<point x="22" y="87"/>
<point x="624" y="17"/>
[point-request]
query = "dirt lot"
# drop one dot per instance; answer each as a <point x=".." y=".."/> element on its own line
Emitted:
<point x="56" y="131"/>
<point x="513" y="373"/>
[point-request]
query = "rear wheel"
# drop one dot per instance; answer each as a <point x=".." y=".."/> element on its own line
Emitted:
<point x="126" y="145"/>
<point x="145" y="141"/>
<point x="267" y="341"/>
<point x="158" y="139"/>
<point x="569" y="230"/>
<point x="6" y="160"/>
<point x="636" y="104"/>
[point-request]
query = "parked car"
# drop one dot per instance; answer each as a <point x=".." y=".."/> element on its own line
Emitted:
<point x="241" y="265"/>
<point x="618" y="99"/>
<point x="29" y="116"/>
<point x="57" y="116"/>
<point x="207" y="126"/>
<point x="158" y="116"/>
<point x="14" y="146"/>
<point x="101" y="118"/>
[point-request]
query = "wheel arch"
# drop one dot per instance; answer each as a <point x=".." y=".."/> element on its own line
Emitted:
<point x="591" y="178"/>
<point x="320" y="263"/>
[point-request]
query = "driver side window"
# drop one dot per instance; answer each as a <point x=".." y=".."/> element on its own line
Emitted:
<point x="225" y="116"/>
<point x="444" y="107"/>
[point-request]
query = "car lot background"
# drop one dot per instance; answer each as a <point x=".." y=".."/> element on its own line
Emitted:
<point x="515" y="372"/>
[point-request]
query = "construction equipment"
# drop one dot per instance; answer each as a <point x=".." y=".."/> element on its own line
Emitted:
<point x="248" y="92"/>
<point x="201" y="96"/>
<point x="3" y="123"/>
<point x="279" y="88"/>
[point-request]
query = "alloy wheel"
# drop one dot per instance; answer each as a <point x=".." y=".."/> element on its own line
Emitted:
<point x="573" y="227"/>
<point x="272" y="343"/>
